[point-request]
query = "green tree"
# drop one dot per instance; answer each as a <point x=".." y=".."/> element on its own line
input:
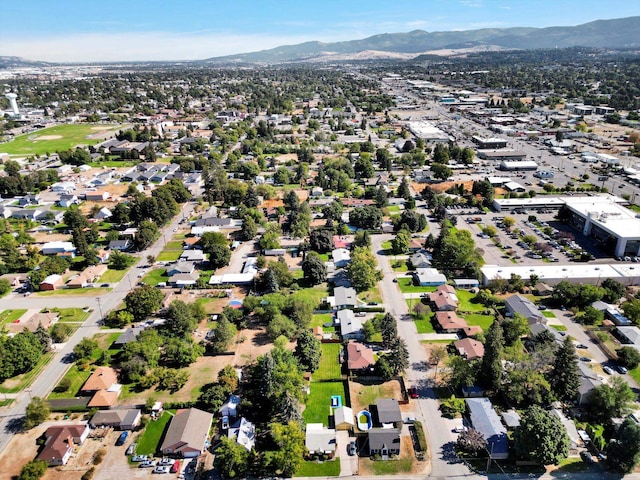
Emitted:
<point x="308" y="351"/>
<point x="591" y="316"/>
<point x="289" y="456"/>
<point x="611" y="400"/>
<point x="452" y="407"/>
<point x="232" y="459"/>
<point x="564" y="377"/>
<point x="461" y="372"/>
<point x="180" y="319"/>
<point x="400" y="244"/>
<point x="403" y="189"/>
<point x="33" y="470"/>
<point x="321" y="241"/>
<point x="388" y="329"/>
<point x="38" y="411"/>
<point x="628" y="357"/>
<point x="541" y="437"/>
<point x="270" y="240"/>
<point x="514" y="328"/>
<point x="491" y="366"/>
<point x="85" y="348"/>
<point x="120" y="261"/>
<point x="623" y="451"/>
<point x="314" y="269"/>
<point x="148" y="232"/>
<point x="143" y="301"/>
<point x="398" y="359"/>
<point x="362" y="270"/>
<point x="368" y="217"/>
<point x="249" y="229"/>
<point x="223" y="334"/>
<point x="228" y="379"/>
<point x="441" y="171"/>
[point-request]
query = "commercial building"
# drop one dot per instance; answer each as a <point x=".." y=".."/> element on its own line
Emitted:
<point x="627" y="274"/>
<point x="428" y="132"/>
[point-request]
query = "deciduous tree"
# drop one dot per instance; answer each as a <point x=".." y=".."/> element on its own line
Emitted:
<point x="541" y="437"/>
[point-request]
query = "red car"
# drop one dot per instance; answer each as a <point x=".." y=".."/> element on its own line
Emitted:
<point x="413" y="392"/>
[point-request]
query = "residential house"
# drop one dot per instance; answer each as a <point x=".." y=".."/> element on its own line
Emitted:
<point x="187" y="434"/>
<point x="420" y="260"/>
<point x="103" y="214"/>
<point x="429" y="277"/>
<point x="244" y="433"/>
<point x="66" y="200"/>
<point x="350" y="325"/>
<point x="629" y="336"/>
<point x="181" y="267"/>
<point x="230" y="407"/>
<point x="52" y="282"/>
<point x="389" y="412"/>
<point x="60" y="441"/>
<point x="343" y="418"/>
<point x="197" y="256"/>
<point x="589" y="381"/>
<point x="511" y="418"/>
<point x="56" y="248"/>
<point x="360" y="358"/>
<point x="120" y="419"/>
<point x="98" y="196"/>
<point x="27" y="214"/>
<point x="469" y="348"/>
<point x="30" y="200"/>
<point x="102" y="378"/>
<point x="320" y="440"/>
<point x="449" y="322"/>
<point x="88" y="276"/>
<point x="465" y="283"/>
<point x="485" y="420"/>
<point x="343" y="297"/>
<point x="128" y="336"/>
<point x="570" y="427"/>
<point x="180" y="280"/>
<point x="120" y="245"/>
<point x="444" y="298"/>
<point x="384" y="442"/>
<point x="525" y="307"/>
<point x="33" y="322"/>
<point x="341" y="257"/>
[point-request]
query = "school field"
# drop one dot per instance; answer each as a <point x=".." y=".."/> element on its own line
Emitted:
<point x="58" y="138"/>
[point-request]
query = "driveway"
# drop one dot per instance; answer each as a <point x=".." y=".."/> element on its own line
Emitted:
<point x="348" y="464"/>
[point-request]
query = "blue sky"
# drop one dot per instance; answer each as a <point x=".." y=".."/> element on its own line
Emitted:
<point x="111" y="30"/>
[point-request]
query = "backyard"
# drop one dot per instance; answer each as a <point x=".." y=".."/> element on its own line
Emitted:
<point x="329" y="368"/>
<point x="318" y="405"/>
<point x="149" y="441"/>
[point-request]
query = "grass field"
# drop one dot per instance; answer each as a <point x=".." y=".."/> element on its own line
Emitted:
<point x="77" y="378"/>
<point x="75" y="292"/>
<point x="72" y="315"/>
<point x="548" y="314"/>
<point x="406" y="286"/>
<point x="154" y="277"/>
<point x="465" y="304"/>
<point x="329" y="368"/>
<point x="424" y="326"/>
<point x="113" y="276"/>
<point x="149" y="441"/>
<point x="391" y="467"/>
<point x="318" y="404"/>
<point x="482" y="321"/>
<point x="319" y="469"/>
<point x="10" y="316"/>
<point x="369" y="394"/>
<point x="70" y="136"/>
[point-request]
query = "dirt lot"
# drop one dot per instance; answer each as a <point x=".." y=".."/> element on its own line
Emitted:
<point x="364" y="394"/>
<point x="366" y="465"/>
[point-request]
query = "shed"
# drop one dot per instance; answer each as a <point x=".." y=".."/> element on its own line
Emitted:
<point x="343" y="418"/>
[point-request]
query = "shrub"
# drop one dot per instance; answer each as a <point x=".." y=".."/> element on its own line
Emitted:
<point x="421" y="440"/>
<point x="99" y="456"/>
<point x="63" y="386"/>
<point x="88" y="475"/>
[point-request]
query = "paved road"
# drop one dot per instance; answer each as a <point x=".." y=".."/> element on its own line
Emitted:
<point x="102" y="304"/>
<point x="439" y="429"/>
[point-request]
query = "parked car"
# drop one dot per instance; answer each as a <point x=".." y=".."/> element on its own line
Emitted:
<point x="586" y="457"/>
<point x="410" y="420"/>
<point x="351" y="448"/>
<point x="585" y="359"/>
<point x="166" y="462"/>
<point x="622" y="369"/>
<point x="608" y="370"/>
<point x="132" y="449"/>
<point x="175" y="468"/>
<point x="121" y="439"/>
<point x="148" y="464"/>
<point x="459" y="429"/>
<point x="582" y="346"/>
<point x="413" y="392"/>
<point x="140" y="458"/>
<point x="161" y="470"/>
<point x="225" y="422"/>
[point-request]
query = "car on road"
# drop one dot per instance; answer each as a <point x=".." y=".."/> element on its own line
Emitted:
<point x="459" y="429"/>
<point x="622" y="369"/>
<point x="410" y="420"/>
<point x="140" y="458"/>
<point x="608" y="370"/>
<point x="361" y="314"/>
<point x="121" y="439"/>
<point x="162" y="469"/>
<point x="585" y="359"/>
<point x="581" y="346"/>
<point x="395" y="280"/>
<point x="413" y="392"/>
<point x="351" y="448"/>
<point x="586" y="457"/>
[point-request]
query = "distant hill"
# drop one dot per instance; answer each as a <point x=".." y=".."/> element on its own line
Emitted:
<point x="6" y="62"/>
<point x="617" y="34"/>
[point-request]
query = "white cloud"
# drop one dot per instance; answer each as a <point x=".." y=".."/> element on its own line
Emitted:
<point x="472" y="3"/>
<point x="132" y="46"/>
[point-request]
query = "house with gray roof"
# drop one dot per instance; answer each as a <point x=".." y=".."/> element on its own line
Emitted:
<point x="350" y="325"/>
<point x="343" y="297"/>
<point x="187" y="434"/>
<point x="320" y="440"/>
<point x="525" y="307"/>
<point x="485" y="420"/>
<point x="589" y="380"/>
<point x="120" y="419"/>
<point x="384" y="442"/>
<point x="389" y="411"/>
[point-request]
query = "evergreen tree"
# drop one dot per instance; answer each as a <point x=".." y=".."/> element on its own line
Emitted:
<point x="491" y="367"/>
<point x="403" y="189"/>
<point x="250" y="199"/>
<point x="388" y="329"/>
<point x="270" y="282"/>
<point x="308" y="351"/>
<point x="564" y="376"/>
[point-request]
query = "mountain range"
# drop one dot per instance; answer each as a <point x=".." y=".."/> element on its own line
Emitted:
<point x="619" y="33"/>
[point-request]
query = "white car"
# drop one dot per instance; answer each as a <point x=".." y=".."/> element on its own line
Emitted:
<point x="608" y="370"/>
<point x="163" y="469"/>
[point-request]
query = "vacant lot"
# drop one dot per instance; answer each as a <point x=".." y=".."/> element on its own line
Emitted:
<point x="60" y="137"/>
<point x="364" y="395"/>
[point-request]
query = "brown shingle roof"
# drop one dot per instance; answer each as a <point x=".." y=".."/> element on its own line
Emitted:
<point x="450" y="321"/>
<point x="469" y="348"/>
<point x="101" y="379"/>
<point x="359" y="356"/>
<point x="188" y="431"/>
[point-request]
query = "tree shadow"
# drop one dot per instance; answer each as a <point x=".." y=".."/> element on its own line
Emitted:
<point x="448" y="453"/>
<point x="15" y="425"/>
<point x="421" y="366"/>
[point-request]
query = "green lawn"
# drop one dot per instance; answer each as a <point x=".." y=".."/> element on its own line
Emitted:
<point x="400" y="266"/>
<point x="10" y="316"/>
<point x="393" y="208"/>
<point x="560" y="328"/>
<point x="75" y="292"/>
<point x="154" y="277"/>
<point x="318" y="405"/>
<point x="319" y="469"/>
<point x="391" y="467"/>
<point x="113" y="276"/>
<point x="149" y="441"/>
<point x="371" y="295"/>
<point x="314" y="294"/>
<point x="406" y="286"/>
<point x="72" y="315"/>
<point x="169" y="255"/>
<point x="635" y="374"/>
<point x="548" y="314"/>
<point x="319" y="319"/>
<point x="329" y="368"/>
<point x="71" y="135"/>
<point x="482" y="321"/>
<point x="465" y="304"/>
<point x="424" y="326"/>
<point x="77" y="378"/>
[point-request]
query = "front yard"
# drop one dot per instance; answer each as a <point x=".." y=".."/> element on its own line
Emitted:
<point x="319" y="469"/>
<point x="149" y="441"/>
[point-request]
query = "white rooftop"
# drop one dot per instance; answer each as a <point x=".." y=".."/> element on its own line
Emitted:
<point x="607" y="215"/>
<point x="624" y="273"/>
